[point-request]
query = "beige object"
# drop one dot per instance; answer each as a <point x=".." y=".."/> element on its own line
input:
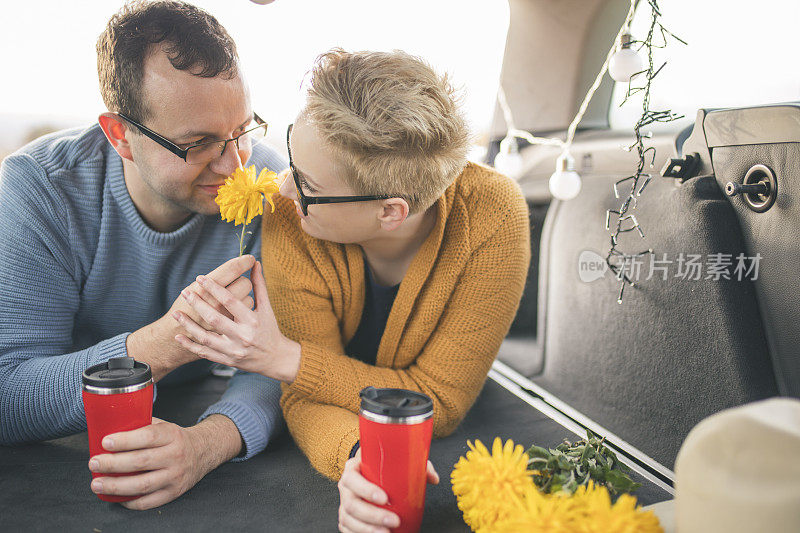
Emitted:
<point x="665" y="511"/>
<point x="739" y="471"/>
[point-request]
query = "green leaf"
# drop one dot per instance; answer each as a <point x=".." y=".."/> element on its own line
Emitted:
<point x="570" y="486"/>
<point x="568" y="466"/>
<point x="619" y="483"/>
<point x="612" y="455"/>
<point x="537" y="451"/>
<point x="564" y="464"/>
<point x="602" y="462"/>
<point x="586" y="453"/>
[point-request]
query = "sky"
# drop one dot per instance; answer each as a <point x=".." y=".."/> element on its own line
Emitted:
<point x="739" y="53"/>
<point x="48" y="49"/>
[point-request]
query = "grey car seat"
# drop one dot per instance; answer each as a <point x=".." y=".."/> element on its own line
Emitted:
<point x="677" y="350"/>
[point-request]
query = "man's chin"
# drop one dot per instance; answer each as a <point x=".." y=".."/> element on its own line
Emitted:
<point x="210" y="211"/>
<point x="204" y="206"/>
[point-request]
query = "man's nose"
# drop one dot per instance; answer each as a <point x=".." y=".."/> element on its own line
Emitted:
<point x="230" y="159"/>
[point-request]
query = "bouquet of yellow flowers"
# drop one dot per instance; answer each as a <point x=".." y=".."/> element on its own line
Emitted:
<point x="497" y="494"/>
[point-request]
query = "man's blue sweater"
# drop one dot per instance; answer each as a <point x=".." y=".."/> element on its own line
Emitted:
<point x="80" y="270"/>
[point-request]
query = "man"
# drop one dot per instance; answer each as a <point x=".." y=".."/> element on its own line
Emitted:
<point x="100" y="231"/>
<point x="393" y="263"/>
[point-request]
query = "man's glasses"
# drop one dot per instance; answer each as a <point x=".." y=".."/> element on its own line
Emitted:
<point x="305" y="201"/>
<point x="204" y="152"/>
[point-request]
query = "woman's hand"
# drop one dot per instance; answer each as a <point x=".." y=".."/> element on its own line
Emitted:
<point x="251" y="341"/>
<point x="359" y="500"/>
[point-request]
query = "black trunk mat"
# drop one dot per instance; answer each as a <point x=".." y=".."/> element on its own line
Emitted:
<point x="45" y="487"/>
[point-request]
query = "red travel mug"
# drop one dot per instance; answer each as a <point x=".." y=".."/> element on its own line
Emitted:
<point x="396" y="426"/>
<point x="117" y="396"/>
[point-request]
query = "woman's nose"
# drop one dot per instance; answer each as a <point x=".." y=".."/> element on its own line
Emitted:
<point x="287" y="189"/>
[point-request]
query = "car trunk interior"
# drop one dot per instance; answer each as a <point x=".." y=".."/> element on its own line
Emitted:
<point x="675" y="350"/>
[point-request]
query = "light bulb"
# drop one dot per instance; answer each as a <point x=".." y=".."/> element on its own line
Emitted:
<point x="508" y="160"/>
<point x="565" y="183"/>
<point x="626" y="62"/>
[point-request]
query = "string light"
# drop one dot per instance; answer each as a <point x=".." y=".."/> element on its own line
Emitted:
<point x="508" y="160"/>
<point x="618" y="261"/>
<point x="624" y="64"/>
<point x="564" y="183"/>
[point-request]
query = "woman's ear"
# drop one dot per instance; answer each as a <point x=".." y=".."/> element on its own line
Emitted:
<point x="393" y="212"/>
<point x="116" y="131"/>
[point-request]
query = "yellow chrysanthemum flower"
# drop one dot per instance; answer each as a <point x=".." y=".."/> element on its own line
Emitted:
<point x="488" y="484"/>
<point x="589" y="510"/>
<point x="240" y="198"/>
<point x="537" y="512"/>
<point x="622" y="517"/>
<point x="497" y="495"/>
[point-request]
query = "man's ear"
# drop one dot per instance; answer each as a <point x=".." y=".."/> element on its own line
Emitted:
<point x="393" y="212"/>
<point x="117" y="132"/>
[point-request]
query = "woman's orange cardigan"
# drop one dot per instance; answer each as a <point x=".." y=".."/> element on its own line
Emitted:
<point x="452" y="310"/>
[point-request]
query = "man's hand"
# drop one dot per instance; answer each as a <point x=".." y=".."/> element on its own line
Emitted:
<point x="154" y="344"/>
<point x="248" y="339"/>
<point x="172" y="459"/>
<point x="359" y="500"/>
<point x="229" y="275"/>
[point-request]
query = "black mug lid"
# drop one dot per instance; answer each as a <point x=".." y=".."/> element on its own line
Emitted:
<point x="117" y="372"/>
<point x="396" y="403"/>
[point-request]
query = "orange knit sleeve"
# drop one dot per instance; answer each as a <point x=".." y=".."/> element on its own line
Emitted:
<point x="295" y="270"/>
<point x="325" y="433"/>
<point x="300" y="281"/>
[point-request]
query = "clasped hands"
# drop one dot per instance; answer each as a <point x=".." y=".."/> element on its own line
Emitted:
<point x="249" y="339"/>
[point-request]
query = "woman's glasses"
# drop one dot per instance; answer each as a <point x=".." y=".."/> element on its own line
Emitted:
<point x="305" y="201"/>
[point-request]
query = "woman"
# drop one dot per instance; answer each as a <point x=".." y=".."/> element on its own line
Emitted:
<point x="390" y="261"/>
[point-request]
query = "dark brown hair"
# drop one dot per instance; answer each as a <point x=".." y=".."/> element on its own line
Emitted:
<point x="192" y="38"/>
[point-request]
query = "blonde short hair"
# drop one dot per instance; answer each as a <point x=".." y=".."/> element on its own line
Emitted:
<point x="393" y="120"/>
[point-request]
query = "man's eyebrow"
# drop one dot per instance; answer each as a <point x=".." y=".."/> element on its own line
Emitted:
<point x="212" y="134"/>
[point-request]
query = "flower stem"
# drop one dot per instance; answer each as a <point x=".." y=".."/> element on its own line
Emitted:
<point x="241" y="240"/>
